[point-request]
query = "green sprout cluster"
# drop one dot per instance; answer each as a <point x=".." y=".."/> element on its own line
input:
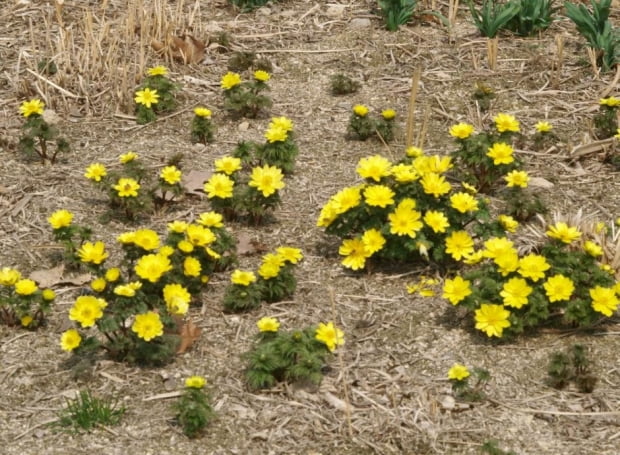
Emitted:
<point x="22" y="302"/>
<point x="155" y="95"/>
<point x="362" y="126"/>
<point x="571" y="366"/>
<point x="193" y="409"/>
<point x="39" y="135"/>
<point x="246" y="99"/>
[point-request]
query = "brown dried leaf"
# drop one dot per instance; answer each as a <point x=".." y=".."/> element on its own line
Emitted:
<point x="184" y="48"/>
<point x="189" y="334"/>
<point x="247" y="246"/>
<point x="193" y="181"/>
<point x="48" y="278"/>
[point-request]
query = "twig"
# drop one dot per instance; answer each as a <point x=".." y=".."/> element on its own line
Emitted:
<point x="415" y="82"/>
<point x="39" y="425"/>
<point x="57" y="87"/>
<point x="163" y="396"/>
<point x="555" y="413"/>
<point x="301" y="51"/>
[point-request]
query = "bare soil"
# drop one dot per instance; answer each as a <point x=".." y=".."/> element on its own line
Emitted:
<point x="386" y="391"/>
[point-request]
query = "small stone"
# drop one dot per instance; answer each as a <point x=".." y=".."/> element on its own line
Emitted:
<point x="360" y="22"/>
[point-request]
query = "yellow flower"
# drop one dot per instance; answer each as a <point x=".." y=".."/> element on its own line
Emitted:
<point x="329" y="212"/>
<point x="146" y="97"/>
<point x="461" y="130"/>
<point x="388" y="114"/>
<point x="9" y="276"/>
<point x="282" y="123"/>
<point x="612" y="101"/>
<point x="202" y="112"/>
<point x="456" y="290"/>
<point x="458" y="372"/>
<point x="148" y="326"/>
<point x="563" y="232"/>
<point x="267" y="179"/>
<point x="166" y="250"/>
<point x="558" y="288"/>
<point x="533" y="266"/>
<point x="270" y="267"/>
<point x="492" y="319"/>
<point x="87" y="309"/>
<point x="459" y="244"/>
<point x="346" y="199"/>
<point x="470" y="188"/>
<point x="125" y="290"/>
<point x="152" y="267"/>
<point x="177" y="226"/>
<point x="98" y="285"/>
<point x="157" y="71"/>
<point x="228" y="165"/>
<point x="604" y="300"/>
<point x="191" y="266"/>
<point x="96" y="172"/>
<point x="26" y="320"/>
<point x="506" y="122"/>
<point x="48" y="294"/>
<point x="126" y="238"/>
<point x="374" y="167"/>
<point x="112" y="274"/>
<point x="195" y="382"/>
<point x="507" y="261"/>
<point x="126" y="187"/>
<point x="199" y="235"/>
<point x="60" y="219"/>
<point x="508" y="223"/>
<point x="355" y="253"/>
<point x="543" y="127"/>
<point x="185" y="246"/>
<point x="330" y="335"/>
<point x="434" y="163"/>
<point x="276" y="134"/>
<point x="373" y="241"/>
<point x="496" y="246"/>
<point x="220" y="186"/>
<point x="592" y="248"/>
<point x="435" y="184"/>
<point x="242" y="277"/>
<point x="268" y="324"/>
<point x="414" y="152"/>
<point x="464" y="202"/>
<point x="404" y="173"/>
<point x="261" y="76"/>
<point x="515" y="292"/>
<point x="92" y="252"/>
<point x="70" y="340"/>
<point x="230" y="80"/>
<point x="517" y="178"/>
<point x="32" y="107"/>
<point x="177" y="298"/>
<point x="171" y="175"/>
<point x="127" y="157"/>
<point x="147" y="239"/>
<point x="360" y="110"/>
<point x="501" y="153"/>
<point x="379" y="196"/>
<point x="404" y="220"/>
<point x="211" y="219"/>
<point x="437" y="221"/>
<point x="473" y="258"/>
<point x="26" y="287"/>
<point x="290" y="254"/>
<point x="617" y="135"/>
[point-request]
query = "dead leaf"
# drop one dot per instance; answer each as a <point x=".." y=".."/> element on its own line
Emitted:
<point x="184" y="48"/>
<point x="247" y="246"/>
<point x="189" y="333"/>
<point x="194" y="181"/>
<point x="540" y="182"/>
<point x="48" y="278"/>
<point x="335" y="401"/>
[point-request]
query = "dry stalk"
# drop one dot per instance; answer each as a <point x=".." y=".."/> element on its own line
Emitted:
<point x="592" y="55"/>
<point x="559" y="59"/>
<point x="453" y="7"/>
<point x="492" y="45"/>
<point x="415" y="82"/>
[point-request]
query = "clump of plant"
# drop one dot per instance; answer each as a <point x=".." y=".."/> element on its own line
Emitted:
<point x="87" y="412"/>
<point x="544" y="135"/>
<point x="202" y="130"/>
<point x="571" y="366"/>
<point x="493" y="16"/>
<point x="280" y="149"/>
<point x="396" y="12"/>
<point x="246" y="99"/>
<point x="483" y="95"/>
<point x="486" y="160"/>
<point x="532" y="17"/>
<point x="341" y="84"/>
<point x="275" y="282"/>
<point x="22" y="302"/>
<point x="490" y="447"/>
<point x="296" y="356"/>
<point x="130" y="190"/>
<point x="155" y="95"/>
<point x="248" y="5"/>
<point x="39" y="135"/>
<point x="606" y="119"/>
<point x="193" y="409"/>
<point x="407" y="211"/>
<point x="135" y="311"/>
<point x="509" y="292"/>
<point x="460" y="377"/>
<point x="362" y="126"/>
<point x="597" y="29"/>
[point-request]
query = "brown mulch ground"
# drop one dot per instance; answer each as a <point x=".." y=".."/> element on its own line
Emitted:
<point x="387" y="390"/>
